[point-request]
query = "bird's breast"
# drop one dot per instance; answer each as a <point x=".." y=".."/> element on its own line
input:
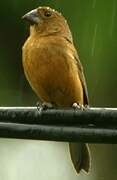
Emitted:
<point x="52" y="73"/>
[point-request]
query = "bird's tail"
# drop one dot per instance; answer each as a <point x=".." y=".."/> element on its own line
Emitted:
<point x="80" y="156"/>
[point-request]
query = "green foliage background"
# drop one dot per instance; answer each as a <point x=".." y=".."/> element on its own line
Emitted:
<point x="94" y="28"/>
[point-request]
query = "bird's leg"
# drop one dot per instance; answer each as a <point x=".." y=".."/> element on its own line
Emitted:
<point x="86" y="106"/>
<point x="38" y="105"/>
<point x="79" y="106"/>
<point x="44" y="106"/>
<point x="47" y="105"/>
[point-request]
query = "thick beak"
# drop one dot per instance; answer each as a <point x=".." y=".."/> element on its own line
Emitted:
<point x="32" y="17"/>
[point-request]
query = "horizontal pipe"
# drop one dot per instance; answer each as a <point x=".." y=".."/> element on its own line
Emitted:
<point x="92" y="125"/>
<point x="104" y="117"/>
<point x="58" y="133"/>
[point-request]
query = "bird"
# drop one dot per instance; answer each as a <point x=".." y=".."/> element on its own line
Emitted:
<point x="53" y="69"/>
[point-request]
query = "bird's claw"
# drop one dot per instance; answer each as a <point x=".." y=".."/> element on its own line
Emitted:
<point x="44" y="106"/>
<point x="79" y="106"/>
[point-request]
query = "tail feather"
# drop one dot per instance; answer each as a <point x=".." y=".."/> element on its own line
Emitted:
<point x="80" y="156"/>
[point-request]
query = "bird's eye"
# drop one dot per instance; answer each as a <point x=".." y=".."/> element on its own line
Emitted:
<point x="47" y="13"/>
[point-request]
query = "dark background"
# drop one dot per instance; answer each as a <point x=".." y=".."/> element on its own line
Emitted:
<point x="94" y="27"/>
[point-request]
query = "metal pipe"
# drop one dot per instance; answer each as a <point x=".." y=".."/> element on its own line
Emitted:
<point x="93" y="125"/>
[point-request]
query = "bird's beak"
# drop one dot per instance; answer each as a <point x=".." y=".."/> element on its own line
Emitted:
<point x="32" y="17"/>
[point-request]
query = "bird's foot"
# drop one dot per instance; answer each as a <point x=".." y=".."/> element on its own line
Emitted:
<point x="44" y="106"/>
<point x="80" y="106"/>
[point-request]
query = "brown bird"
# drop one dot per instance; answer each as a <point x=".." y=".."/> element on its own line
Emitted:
<point x="53" y="69"/>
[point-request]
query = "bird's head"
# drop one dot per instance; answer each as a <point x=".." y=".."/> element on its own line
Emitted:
<point x="46" y="21"/>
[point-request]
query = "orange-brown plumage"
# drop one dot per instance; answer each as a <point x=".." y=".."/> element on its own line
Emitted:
<point x="53" y="68"/>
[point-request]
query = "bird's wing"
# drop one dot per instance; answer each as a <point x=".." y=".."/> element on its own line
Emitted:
<point x="80" y="70"/>
<point x="82" y="78"/>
